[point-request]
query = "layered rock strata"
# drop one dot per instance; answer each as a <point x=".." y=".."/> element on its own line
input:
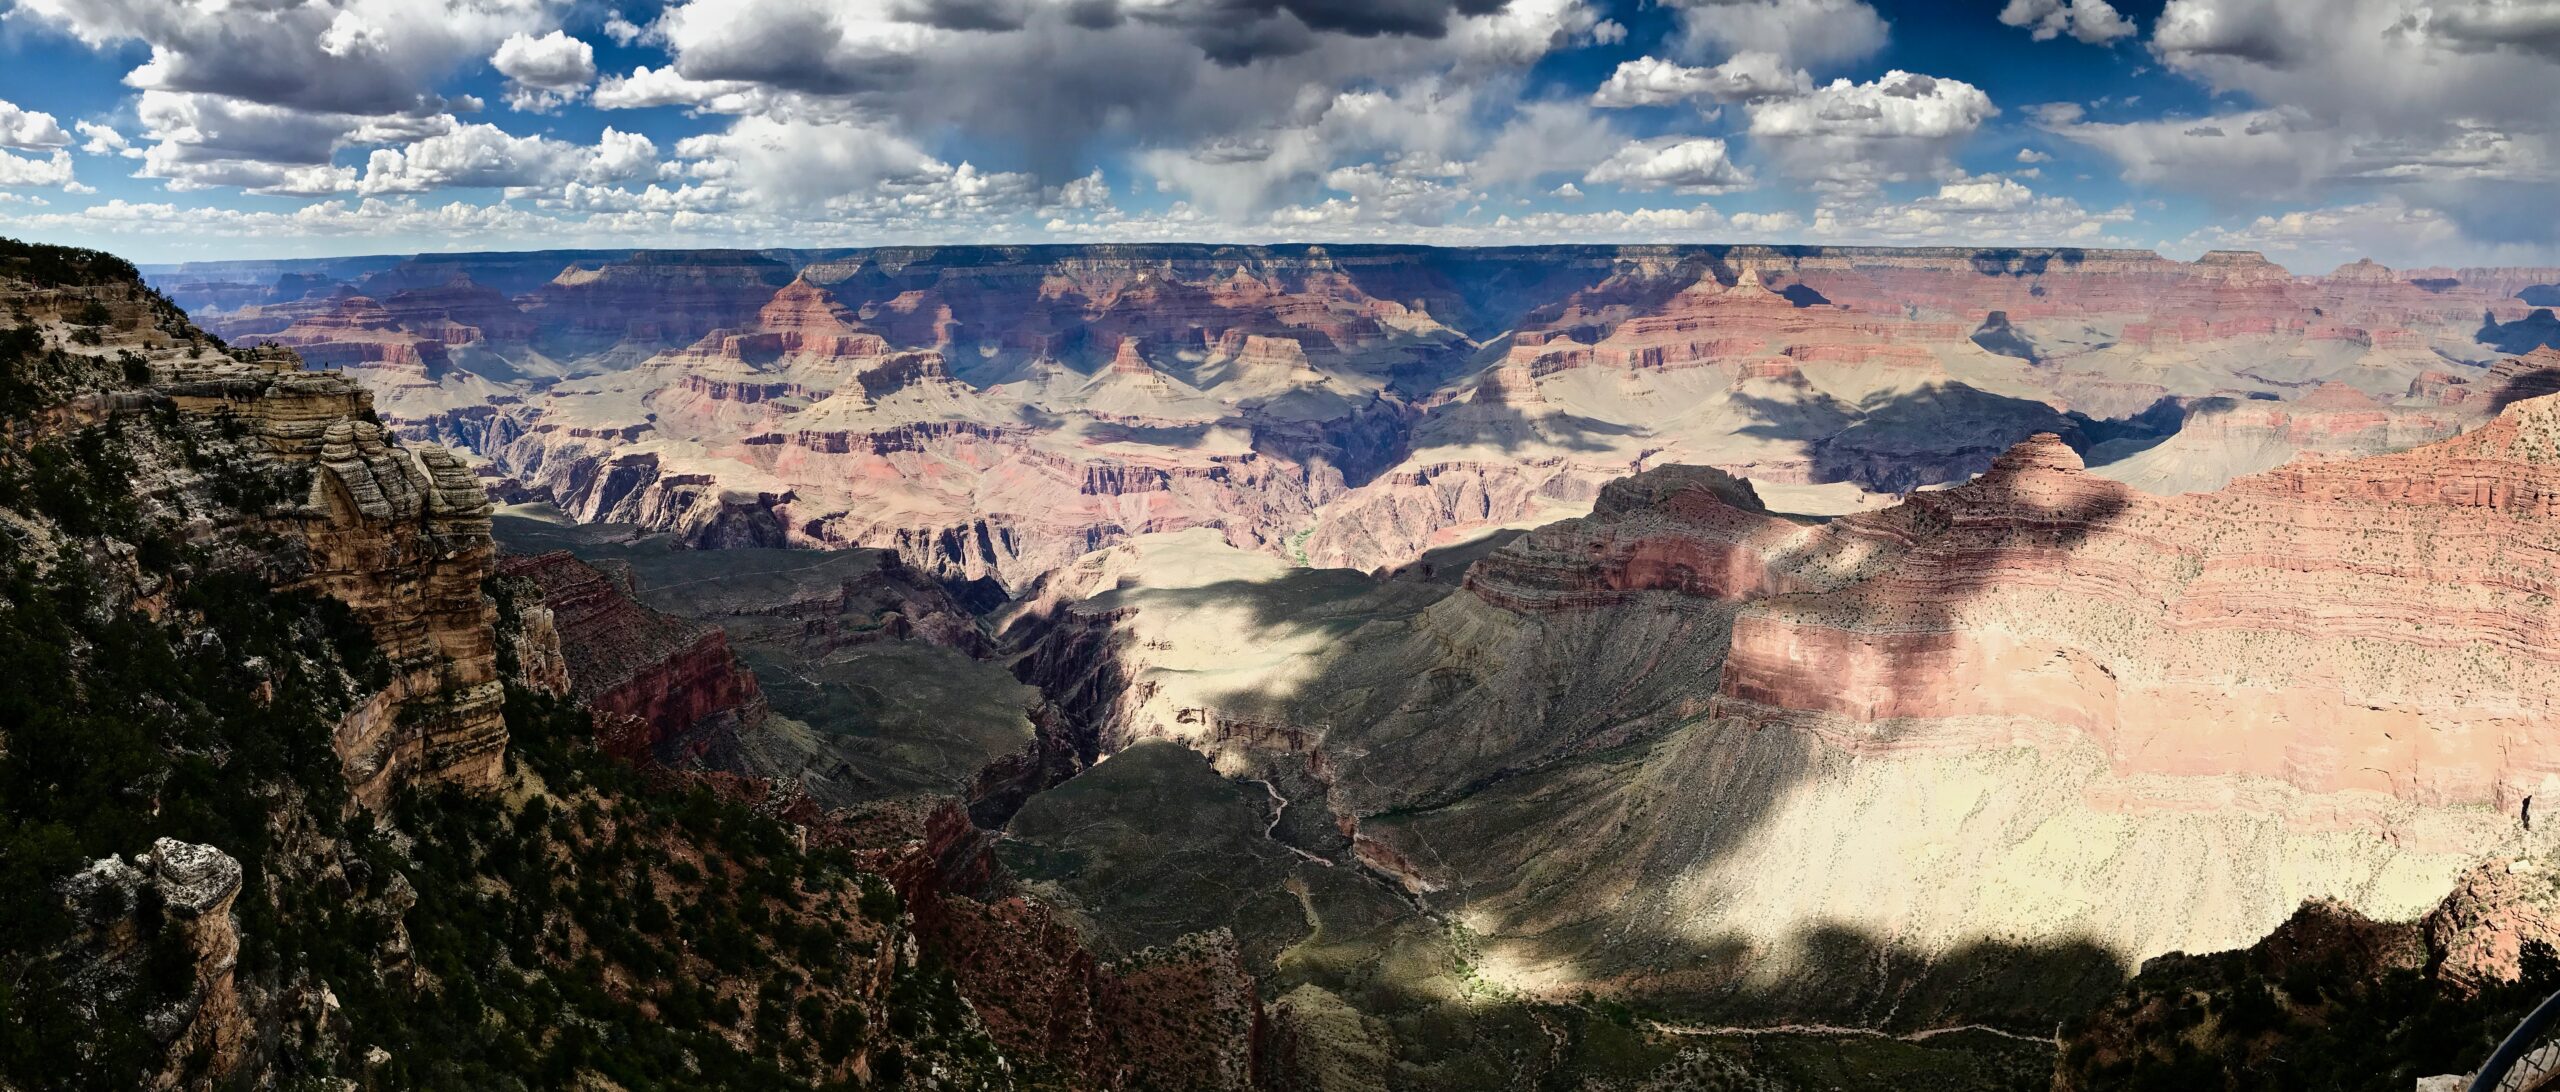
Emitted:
<point x="996" y="412"/>
<point x="661" y="687"/>
<point x="398" y="532"/>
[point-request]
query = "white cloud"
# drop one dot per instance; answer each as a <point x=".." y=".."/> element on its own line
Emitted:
<point x="1419" y="126"/>
<point x="1971" y="212"/>
<point x="331" y="56"/>
<point x="485" y="156"/>
<point x="623" y="31"/>
<point x="2030" y="155"/>
<point x="30" y="129"/>
<point x="1980" y="195"/>
<point x="2262" y="152"/>
<point x="646" y="87"/>
<point x="2096" y="22"/>
<point x="1088" y="192"/>
<point x="1686" y="164"/>
<point x="1608" y="32"/>
<point x="105" y="140"/>
<point x="1808" y="33"/>
<point x="2390" y="230"/>
<point x="1761" y="226"/>
<point x="261" y="95"/>
<point x="19" y="170"/>
<point x="1744" y="77"/>
<point x="816" y="169"/>
<point x="544" y="73"/>
<point x="1903" y="125"/>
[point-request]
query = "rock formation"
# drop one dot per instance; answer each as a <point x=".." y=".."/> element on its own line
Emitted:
<point x="170" y="910"/>
<point x="661" y="687"/>
<point x="2332" y="671"/>
<point x="398" y="533"/>
<point x="995" y="412"/>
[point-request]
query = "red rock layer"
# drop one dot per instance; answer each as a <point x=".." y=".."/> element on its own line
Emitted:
<point x="653" y="679"/>
<point x="1184" y="1015"/>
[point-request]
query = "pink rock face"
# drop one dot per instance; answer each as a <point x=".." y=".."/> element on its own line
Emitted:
<point x="1002" y="411"/>
<point x="2382" y="624"/>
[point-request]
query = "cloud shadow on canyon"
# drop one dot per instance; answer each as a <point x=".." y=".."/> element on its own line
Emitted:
<point x="1595" y="776"/>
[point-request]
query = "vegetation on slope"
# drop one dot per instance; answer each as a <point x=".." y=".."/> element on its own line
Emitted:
<point x="588" y="924"/>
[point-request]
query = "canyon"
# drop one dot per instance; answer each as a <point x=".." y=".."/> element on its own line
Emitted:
<point x="1389" y="667"/>
<point x="997" y="412"/>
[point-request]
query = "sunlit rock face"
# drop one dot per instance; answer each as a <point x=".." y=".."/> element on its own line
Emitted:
<point x="997" y="412"/>
<point x="313" y="492"/>
<point x="1973" y="756"/>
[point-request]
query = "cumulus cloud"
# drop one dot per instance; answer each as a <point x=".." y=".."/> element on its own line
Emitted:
<point x="1972" y="212"/>
<point x="23" y="128"/>
<point x="2415" y="95"/>
<point x="1542" y="140"/>
<point x="1419" y="129"/>
<point x="1979" y="195"/>
<point x="260" y="96"/>
<point x="98" y="139"/>
<point x="334" y="56"/>
<point x="1808" y="33"/>
<point x="202" y="141"/>
<point x="1686" y="164"/>
<point x="1900" y="126"/>
<point x="842" y="168"/>
<point x="1047" y="81"/>
<point x="623" y="31"/>
<point x="544" y="73"/>
<point x="485" y="156"/>
<point x="647" y="87"/>
<point x="2388" y="229"/>
<point x="25" y="171"/>
<point x="2484" y="26"/>
<point x="2096" y="22"/>
<point x="1744" y="77"/>
<point x="2259" y="152"/>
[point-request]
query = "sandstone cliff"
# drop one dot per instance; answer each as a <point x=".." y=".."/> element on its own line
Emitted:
<point x="997" y="412"/>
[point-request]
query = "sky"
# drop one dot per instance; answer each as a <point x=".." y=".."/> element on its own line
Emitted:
<point x="2414" y="132"/>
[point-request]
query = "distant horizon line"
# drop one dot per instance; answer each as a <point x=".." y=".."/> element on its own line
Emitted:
<point x="1209" y="249"/>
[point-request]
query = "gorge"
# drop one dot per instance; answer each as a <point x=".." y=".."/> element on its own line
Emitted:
<point x="1304" y="667"/>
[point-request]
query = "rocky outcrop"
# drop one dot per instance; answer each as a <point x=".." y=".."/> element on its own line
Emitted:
<point x="402" y="536"/>
<point x="158" y="940"/>
<point x="2333" y="990"/>
<point x="1182" y="1015"/>
<point x="661" y="687"/>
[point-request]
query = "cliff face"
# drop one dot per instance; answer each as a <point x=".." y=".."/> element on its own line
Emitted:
<point x="999" y="411"/>
<point x="2334" y="992"/>
<point x="235" y="609"/>
<point x="662" y="688"/>
<point x="2377" y="625"/>
<point x="399" y="533"/>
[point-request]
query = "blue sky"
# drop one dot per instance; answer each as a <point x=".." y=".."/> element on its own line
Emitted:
<point x="2316" y="130"/>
